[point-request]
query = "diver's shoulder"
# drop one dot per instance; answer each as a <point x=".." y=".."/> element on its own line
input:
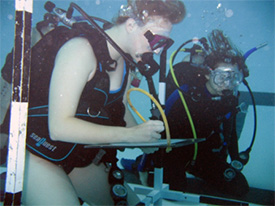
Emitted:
<point x="77" y="47"/>
<point x="80" y="43"/>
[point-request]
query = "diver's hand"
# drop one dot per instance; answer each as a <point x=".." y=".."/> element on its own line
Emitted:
<point x="146" y="132"/>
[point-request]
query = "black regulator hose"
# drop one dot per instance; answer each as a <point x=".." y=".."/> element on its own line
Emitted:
<point x="244" y="156"/>
<point x="178" y="50"/>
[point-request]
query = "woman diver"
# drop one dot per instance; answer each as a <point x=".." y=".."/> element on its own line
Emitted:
<point x="70" y="121"/>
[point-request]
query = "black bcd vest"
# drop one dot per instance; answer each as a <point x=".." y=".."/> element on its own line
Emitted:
<point x="97" y="104"/>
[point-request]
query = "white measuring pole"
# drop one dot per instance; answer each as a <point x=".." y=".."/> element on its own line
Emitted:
<point x="19" y="103"/>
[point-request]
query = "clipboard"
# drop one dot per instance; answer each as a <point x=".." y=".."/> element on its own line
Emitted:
<point x="162" y="143"/>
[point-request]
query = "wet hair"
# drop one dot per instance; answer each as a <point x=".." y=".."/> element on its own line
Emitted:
<point x="223" y="50"/>
<point x="141" y="10"/>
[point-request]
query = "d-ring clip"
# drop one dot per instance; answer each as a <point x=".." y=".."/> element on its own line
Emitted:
<point x="93" y="116"/>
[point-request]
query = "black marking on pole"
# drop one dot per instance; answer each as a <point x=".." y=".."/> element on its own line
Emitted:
<point x="27" y="59"/>
<point x="13" y="199"/>
<point x="17" y="57"/>
<point x="22" y="57"/>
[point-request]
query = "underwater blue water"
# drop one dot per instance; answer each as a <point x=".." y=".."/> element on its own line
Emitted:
<point x="247" y="22"/>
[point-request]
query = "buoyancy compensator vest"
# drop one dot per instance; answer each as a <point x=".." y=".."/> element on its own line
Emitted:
<point x="97" y="104"/>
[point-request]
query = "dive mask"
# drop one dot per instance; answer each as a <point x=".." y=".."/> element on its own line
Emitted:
<point x="157" y="42"/>
<point x="226" y="77"/>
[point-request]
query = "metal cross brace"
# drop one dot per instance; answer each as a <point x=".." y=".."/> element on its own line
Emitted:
<point x="161" y="191"/>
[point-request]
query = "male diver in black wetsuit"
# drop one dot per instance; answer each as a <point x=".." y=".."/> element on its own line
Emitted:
<point x="208" y="83"/>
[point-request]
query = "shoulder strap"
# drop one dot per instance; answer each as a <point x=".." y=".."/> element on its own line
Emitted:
<point x="99" y="44"/>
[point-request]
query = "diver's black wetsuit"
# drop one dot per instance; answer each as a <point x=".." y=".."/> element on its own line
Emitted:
<point x="213" y="120"/>
<point x="97" y="104"/>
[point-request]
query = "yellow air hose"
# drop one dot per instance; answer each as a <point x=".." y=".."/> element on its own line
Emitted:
<point x="184" y="104"/>
<point x="167" y="131"/>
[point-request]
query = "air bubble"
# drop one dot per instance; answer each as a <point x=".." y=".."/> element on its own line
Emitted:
<point x="10" y="17"/>
<point x="97" y="2"/>
<point x="229" y="13"/>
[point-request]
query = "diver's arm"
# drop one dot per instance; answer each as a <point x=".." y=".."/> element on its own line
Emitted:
<point x="76" y="64"/>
